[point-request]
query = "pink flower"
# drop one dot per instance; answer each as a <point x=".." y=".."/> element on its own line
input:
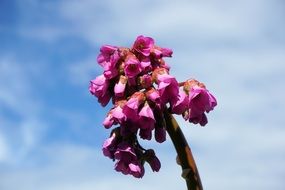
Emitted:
<point x="108" y="59"/>
<point x="146" y="122"/>
<point x="110" y="146"/>
<point x="115" y="116"/>
<point x="146" y="64"/>
<point x="161" y="52"/>
<point x="145" y="81"/>
<point x="153" y="96"/>
<point x="131" y="109"/>
<point x="143" y="45"/>
<point x="182" y="104"/>
<point x="168" y="88"/>
<point x="119" y="88"/>
<point x="109" y="121"/>
<point x="159" y="134"/>
<point x="200" y="101"/>
<point x="128" y="162"/>
<point x="108" y="54"/>
<point x="152" y="160"/>
<point x="132" y="66"/>
<point x="99" y="88"/>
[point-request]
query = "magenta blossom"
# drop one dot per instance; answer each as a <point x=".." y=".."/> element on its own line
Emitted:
<point x="128" y="162"/>
<point x="108" y="59"/>
<point x="152" y="160"/>
<point x="115" y="116"/>
<point x="110" y="146"/>
<point x="146" y="122"/>
<point x="200" y="101"/>
<point x="143" y="45"/>
<point x="146" y="81"/>
<point x="132" y="66"/>
<point x="161" y="52"/>
<point x="153" y="96"/>
<point x="108" y="54"/>
<point x="120" y="87"/>
<point x="182" y="104"/>
<point x="160" y="134"/>
<point x="168" y="88"/>
<point x="131" y="109"/>
<point x="99" y="88"/>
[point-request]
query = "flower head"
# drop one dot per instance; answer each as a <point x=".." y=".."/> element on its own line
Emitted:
<point x="99" y="88"/>
<point x="138" y="81"/>
<point x="143" y="45"/>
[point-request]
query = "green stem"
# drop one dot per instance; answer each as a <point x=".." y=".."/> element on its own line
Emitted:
<point x="189" y="169"/>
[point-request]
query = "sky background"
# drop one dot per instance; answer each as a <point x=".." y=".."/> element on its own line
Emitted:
<point x="51" y="129"/>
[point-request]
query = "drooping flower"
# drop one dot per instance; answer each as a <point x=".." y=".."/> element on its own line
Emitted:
<point x="128" y="162"/>
<point x="110" y="145"/>
<point x="200" y="101"/>
<point x="132" y="66"/>
<point x="99" y="88"/>
<point x="115" y="116"/>
<point x="146" y="81"/>
<point x="107" y="54"/>
<point x="131" y="109"/>
<point x="153" y="96"/>
<point x="108" y="59"/>
<point x="159" y="134"/>
<point x="119" y="88"/>
<point x="182" y="104"/>
<point x="152" y="160"/>
<point x="160" y="52"/>
<point x="146" y="122"/>
<point x="168" y="88"/>
<point x="143" y="45"/>
<point x="146" y="64"/>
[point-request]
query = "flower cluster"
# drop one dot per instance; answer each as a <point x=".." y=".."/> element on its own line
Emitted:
<point x="138" y="83"/>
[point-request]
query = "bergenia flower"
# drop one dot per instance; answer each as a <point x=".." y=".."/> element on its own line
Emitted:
<point x="182" y="103"/>
<point x="168" y="88"/>
<point x="108" y="54"/>
<point x="152" y="160"/>
<point x="159" y="133"/>
<point x="128" y="162"/>
<point x="143" y="45"/>
<point x="153" y="96"/>
<point x="146" y="122"/>
<point x="99" y="88"/>
<point x="110" y="145"/>
<point x="108" y="59"/>
<point x="146" y="81"/>
<point x="132" y="66"/>
<point x="120" y="87"/>
<point x="131" y="109"/>
<point x="161" y="52"/>
<point x="200" y="101"/>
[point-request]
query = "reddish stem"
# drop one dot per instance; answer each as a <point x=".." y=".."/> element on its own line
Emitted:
<point x="189" y="169"/>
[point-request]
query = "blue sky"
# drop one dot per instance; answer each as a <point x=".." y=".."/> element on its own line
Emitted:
<point x="50" y="127"/>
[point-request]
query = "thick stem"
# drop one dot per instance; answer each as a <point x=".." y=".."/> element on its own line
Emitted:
<point x="189" y="169"/>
